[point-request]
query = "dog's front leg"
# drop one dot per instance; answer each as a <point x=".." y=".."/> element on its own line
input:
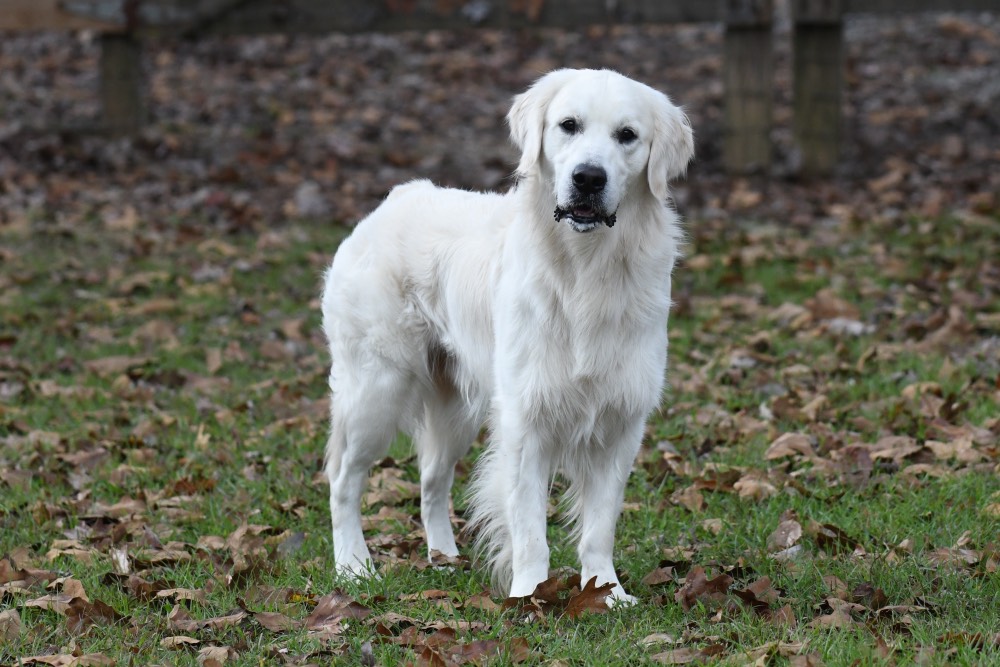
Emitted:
<point x="526" y="506"/>
<point x="602" y="493"/>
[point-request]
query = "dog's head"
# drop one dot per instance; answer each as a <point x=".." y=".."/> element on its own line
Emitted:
<point x="591" y="136"/>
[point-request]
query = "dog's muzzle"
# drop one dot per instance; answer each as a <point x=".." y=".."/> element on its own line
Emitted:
<point x="585" y="213"/>
<point x="584" y="218"/>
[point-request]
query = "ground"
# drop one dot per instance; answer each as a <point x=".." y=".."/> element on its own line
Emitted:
<point x="819" y="486"/>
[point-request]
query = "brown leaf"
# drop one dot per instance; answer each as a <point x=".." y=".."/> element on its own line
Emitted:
<point x="813" y="659"/>
<point x="116" y="365"/>
<point x="689" y="497"/>
<point x="213" y="360"/>
<point x="276" y="622"/>
<point x="713" y="526"/>
<point x="333" y="608"/>
<point x="763" y="590"/>
<point x="549" y="590"/>
<point x="789" y="444"/>
<point x="214" y="656"/>
<point x="658" y="638"/>
<point x="698" y="588"/>
<point x="753" y="486"/>
<point x="70" y="660"/>
<point x="82" y="614"/>
<point x="592" y="599"/>
<point x="678" y="656"/>
<point x="481" y="601"/>
<point x="686" y="656"/>
<point x="178" y="594"/>
<point x="826" y="305"/>
<point x="178" y="641"/>
<point x="26" y="577"/>
<point x="836" y="586"/>
<point x="831" y="538"/>
<point x="430" y="657"/>
<point x="787" y="534"/>
<point x="783" y="616"/>
<point x="662" y="574"/>
<point x="429" y="594"/>
<point x="57" y="603"/>
<point x="10" y="625"/>
<point x="179" y="619"/>
<point x="840" y="615"/>
<point x="477" y="652"/>
<point x="895" y="447"/>
<point x="871" y="597"/>
<point x="292" y="329"/>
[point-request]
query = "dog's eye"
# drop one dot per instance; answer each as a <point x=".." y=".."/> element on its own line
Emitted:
<point x="569" y="126"/>
<point x="626" y="135"/>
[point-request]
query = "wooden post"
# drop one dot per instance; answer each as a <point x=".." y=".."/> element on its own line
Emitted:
<point x="121" y="84"/>
<point x="818" y="72"/>
<point x="748" y="70"/>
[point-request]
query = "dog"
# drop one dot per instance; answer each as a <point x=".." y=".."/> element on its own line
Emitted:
<point x="542" y="312"/>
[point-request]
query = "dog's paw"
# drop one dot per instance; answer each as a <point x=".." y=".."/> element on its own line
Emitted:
<point x="619" y="599"/>
<point x="356" y="570"/>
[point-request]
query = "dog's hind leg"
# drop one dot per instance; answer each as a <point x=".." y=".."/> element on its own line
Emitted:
<point x="364" y="419"/>
<point x="446" y="435"/>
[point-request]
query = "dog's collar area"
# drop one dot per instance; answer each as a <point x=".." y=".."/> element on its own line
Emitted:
<point x="584" y="224"/>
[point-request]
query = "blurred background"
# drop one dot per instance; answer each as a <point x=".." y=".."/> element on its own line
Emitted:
<point x="250" y="130"/>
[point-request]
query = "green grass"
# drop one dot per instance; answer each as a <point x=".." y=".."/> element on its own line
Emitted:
<point x="201" y="451"/>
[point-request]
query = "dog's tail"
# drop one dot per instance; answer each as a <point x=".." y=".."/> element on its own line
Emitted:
<point x="337" y="441"/>
<point x="487" y="518"/>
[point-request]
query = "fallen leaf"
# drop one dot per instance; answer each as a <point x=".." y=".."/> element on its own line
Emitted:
<point x="331" y="609"/>
<point x="82" y="614"/>
<point x="70" y="660"/>
<point x="787" y="534"/>
<point x="591" y="599"/>
<point x="789" y="444"/>
<point x="116" y="365"/>
<point x="689" y="497"/>
<point x="686" y="656"/>
<point x="662" y="574"/>
<point x="698" y="588"/>
<point x="10" y="625"/>
<point x="753" y="486"/>
<point x="813" y="659"/>
<point x="840" y="616"/>
<point x="178" y="641"/>
<point x="179" y="619"/>
<point x="212" y="656"/>
<point x="276" y="622"/>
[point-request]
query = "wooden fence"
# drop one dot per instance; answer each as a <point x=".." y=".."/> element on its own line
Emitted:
<point x="748" y="67"/>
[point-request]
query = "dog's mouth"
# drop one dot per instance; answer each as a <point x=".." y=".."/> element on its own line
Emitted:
<point x="584" y="217"/>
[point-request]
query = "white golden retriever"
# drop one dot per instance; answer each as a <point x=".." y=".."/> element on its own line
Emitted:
<point x="543" y="310"/>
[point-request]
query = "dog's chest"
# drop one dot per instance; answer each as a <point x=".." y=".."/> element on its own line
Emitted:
<point x="587" y="352"/>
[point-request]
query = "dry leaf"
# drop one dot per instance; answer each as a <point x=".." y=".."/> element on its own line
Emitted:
<point x="331" y="609"/>
<point x="591" y="599"/>
<point x="787" y="534"/>
<point x="789" y="444"/>
<point x="10" y="625"/>
<point x="698" y="588"/>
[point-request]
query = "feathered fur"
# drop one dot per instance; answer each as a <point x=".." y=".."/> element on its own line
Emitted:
<point x="446" y="307"/>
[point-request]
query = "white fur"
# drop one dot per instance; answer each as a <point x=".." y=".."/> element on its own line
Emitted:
<point x="445" y="308"/>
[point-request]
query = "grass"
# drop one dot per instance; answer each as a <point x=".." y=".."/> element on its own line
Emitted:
<point x="221" y="426"/>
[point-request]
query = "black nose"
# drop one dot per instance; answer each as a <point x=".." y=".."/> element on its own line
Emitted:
<point x="589" y="179"/>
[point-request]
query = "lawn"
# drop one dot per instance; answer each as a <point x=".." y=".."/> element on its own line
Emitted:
<point x="820" y="485"/>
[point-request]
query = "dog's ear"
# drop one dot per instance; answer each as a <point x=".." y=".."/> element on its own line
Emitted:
<point x="526" y="117"/>
<point x="672" y="147"/>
